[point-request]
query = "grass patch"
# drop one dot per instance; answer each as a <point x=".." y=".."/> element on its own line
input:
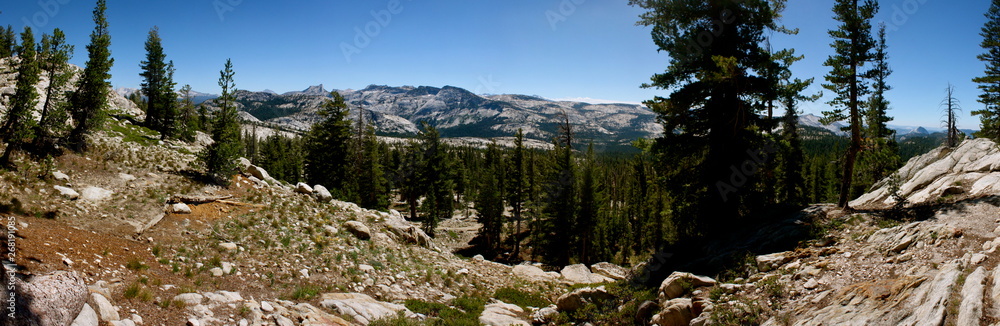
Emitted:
<point x="136" y="134"/>
<point x="521" y="298"/>
<point x="305" y="292"/>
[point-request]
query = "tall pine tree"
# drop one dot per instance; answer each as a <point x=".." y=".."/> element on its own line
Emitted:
<point x="517" y="187"/>
<point x="220" y="157"/>
<point x="853" y="46"/>
<point x="54" y="63"/>
<point x="716" y="67"/>
<point x="439" y="202"/>
<point x="326" y="146"/>
<point x="989" y="83"/>
<point x="158" y="86"/>
<point x="560" y="200"/>
<point x="489" y="203"/>
<point x="19" y="125"/>
<point x="91" y="98"/>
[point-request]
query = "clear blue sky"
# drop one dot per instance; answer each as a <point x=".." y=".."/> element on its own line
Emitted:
<point x="553" y="48"/>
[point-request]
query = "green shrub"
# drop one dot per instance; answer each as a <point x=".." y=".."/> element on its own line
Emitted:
<point x="521" y="298"/>
<point x="305" y="292"/>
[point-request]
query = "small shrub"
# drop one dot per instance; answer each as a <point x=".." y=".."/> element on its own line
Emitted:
<point x="136" y="265"/>
<point x="137" y="291"/>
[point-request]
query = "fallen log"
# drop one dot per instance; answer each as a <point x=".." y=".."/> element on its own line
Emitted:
<point x="196" y="199"/>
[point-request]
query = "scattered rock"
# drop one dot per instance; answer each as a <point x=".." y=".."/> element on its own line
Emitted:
<point x="216" y="271"/>
<point x="609" y="270"/>
<point x="580" y="274"/>
<point x="180" y="208"/>
<point x="59" y="176"/>
<point x="531" y="273"/>
<point x="361" y="307"/>
<point x="190" y="299"/>
<point x="227" y="267"/>
<point x="358" y="229"/>
<point x="87" y="317"/>
<point x="544" y="315"/>
<point x="478" y="258"/>
<point x="322" y="194"/>
<point x="405" y="231"/>
<point x="304" y="273"/>
<point x="678" y="282"/>
<point x="676" y="312"/>
<point x="266" y="306"/>
<point x="69" y="193"/>
<point x="977" y="259"/>
<point x="303" y="188"/>
<point x="499" y="313"/>
<point x="581" y="297"/>
<point x="105" y="310"/>
<point x="95" y="194"/>
<point x="126" y="177"/>
<point x="811" y="284"/>
<point x="228" y="246"/>
<point x="766" y="263"/>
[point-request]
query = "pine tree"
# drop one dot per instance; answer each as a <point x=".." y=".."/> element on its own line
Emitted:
<point x="188" y="123"/>
<point x="517" y="187"/>
<point x="368" y="184"/>
<point x="326" y="146"/>
<point x="853" y="45"/>
<point x="876" y="116"/>
<point x="880" y="156"/>
<point x="560" y="200"/>
<point x="8" y="42"/>
<point x="439" y="203"/>
<point x="710" y="120"/>
<point x="409" y="177"/>
<point x="91" y="98"/>
<point x="220" y="157"/>
<point x="791" y="183"/>
<point x="951" y="108"/>
<point x="54" y="63"/>
<point x="158" y="86"/>
<point x="586" y="218"/>
<point x="19" y="125"/>
<point x="489" y="203"/>
<point x="989" y="83"/>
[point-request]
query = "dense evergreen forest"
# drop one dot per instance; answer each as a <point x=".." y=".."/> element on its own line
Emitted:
<point x="722" y="161"/>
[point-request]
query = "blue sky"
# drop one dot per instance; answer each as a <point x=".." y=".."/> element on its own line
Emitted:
<point x="558" y="49"/>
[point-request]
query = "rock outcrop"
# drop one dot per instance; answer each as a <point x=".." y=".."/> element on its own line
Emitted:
<point x="969" y="170"/>
<point x="54" y="299"/>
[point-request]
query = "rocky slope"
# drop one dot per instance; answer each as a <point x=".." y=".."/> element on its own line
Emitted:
<point x="932" y="262"/>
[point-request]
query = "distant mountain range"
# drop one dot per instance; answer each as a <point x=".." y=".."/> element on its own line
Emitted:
<point x="456" y="112"/>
